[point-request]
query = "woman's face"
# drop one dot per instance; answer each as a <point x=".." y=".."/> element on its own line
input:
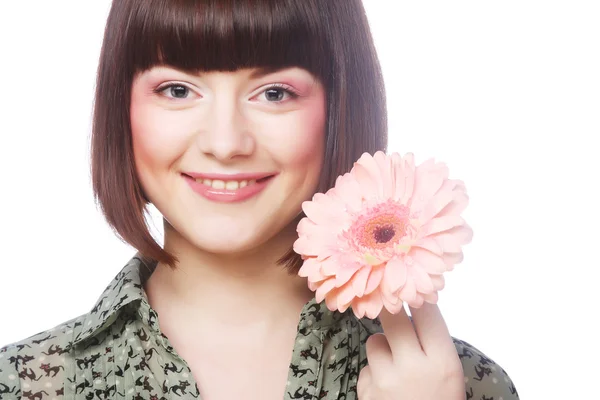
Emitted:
<point x="228" y="157"/>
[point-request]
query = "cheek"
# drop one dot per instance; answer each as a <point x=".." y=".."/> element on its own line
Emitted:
<point x="158" y="137"/>
<point x="304" y="138"/>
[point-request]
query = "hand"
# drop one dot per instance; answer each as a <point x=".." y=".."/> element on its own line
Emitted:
<point x="416" y="363"/>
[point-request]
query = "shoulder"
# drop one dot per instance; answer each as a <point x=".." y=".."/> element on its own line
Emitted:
<point x="9" y="379"/>
<point x="36" y="364"/>
<point x="36" y="345"/>
<point x="484" y="378"/>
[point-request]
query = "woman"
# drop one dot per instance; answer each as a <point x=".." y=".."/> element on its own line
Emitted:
<point x="226" y="116"/>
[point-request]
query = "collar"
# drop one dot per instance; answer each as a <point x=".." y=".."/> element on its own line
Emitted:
<point x="124" y="289"/>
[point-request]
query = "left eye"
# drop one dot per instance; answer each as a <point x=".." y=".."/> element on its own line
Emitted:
<point x="275" y="94"/>
<point x="175" y="91"/>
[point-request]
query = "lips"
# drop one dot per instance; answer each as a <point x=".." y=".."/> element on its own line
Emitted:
<point x="228" y="188"/>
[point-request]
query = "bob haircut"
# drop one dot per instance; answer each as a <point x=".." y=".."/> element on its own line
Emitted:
<point x="329" y="38"/>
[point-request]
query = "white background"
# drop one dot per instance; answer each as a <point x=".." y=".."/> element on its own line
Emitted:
<point x="506" y="93"/>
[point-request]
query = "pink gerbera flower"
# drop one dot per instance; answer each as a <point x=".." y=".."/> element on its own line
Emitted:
<point x="384" y="235"/>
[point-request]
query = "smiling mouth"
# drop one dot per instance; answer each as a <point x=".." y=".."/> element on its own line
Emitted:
<point x="220" y="184"/>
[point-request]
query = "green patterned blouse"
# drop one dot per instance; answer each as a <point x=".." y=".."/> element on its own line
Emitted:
<point x="117" y="351"/>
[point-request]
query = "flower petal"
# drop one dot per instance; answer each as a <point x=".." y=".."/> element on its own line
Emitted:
<point x="390" y="298"/>
<point x="417" y="302"/>
<point x="431" y="263"/>
<point x="441" y="224"/>
<point x="345" y="273"/>
<point x="438" y="282"/>
<point x="429" y="243"/>
<point x="307" y="268"/>
<point x="396" y="160"/>
<point x="372" y="304"/>
<point x="321" y="214"/>
<point x="327" y="202"/>
<point x="347" y="191"/>
<point x="329" y="267"/>
<point x="324" y="237"/>
<point x="323" y="290"/>
<point x="435" y="205"/>
<point x="369" y="185"/>
<point x="303" y="245"/>
<point x="408" y="293"/>
<point x="385" y="171"/>
<point x="392" y="302"/>
<point x="452" y="259"/>
<point x="429" y="178"/>
<point x="405" y="178"/>
<point x="394" y="275"/>
<point x="359" y="282"/>
<point x="345" y="295"/>
<point x="311" y="269"/>
<point x="374" y="279"/>
<point x="421" y="278"/>
<point x="331" y="301"/>
<point x="452" y="240"/>
<point x="358" y="308"/>
<point x="460" y="200"/>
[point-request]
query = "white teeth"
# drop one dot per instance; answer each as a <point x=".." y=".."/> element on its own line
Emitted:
<point x="217" y="184"/>
<point x="232" y="185"/>
<point x="228" y="185"/>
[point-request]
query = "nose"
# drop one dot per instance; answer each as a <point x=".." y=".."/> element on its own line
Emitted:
<point x="225" y="135"/>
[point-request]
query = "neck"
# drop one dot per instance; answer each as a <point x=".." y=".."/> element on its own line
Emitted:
<point x="228" y="289"/>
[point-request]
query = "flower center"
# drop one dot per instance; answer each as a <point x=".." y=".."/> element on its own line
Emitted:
<point x="384" y="234"/>
<point x="380" y="227"/>
<point x="381" y="230"/>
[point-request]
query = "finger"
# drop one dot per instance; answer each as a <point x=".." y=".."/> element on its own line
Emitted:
<point x="379" y="354"/>
<point x="400" y="333"/>
<point x="432" y="330"/>
<point x="364" y="383"/>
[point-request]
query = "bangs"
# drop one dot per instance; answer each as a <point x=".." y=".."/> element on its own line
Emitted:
<point x="226" y="35"/>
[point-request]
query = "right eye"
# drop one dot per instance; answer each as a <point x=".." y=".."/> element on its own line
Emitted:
<point x="175" y="91"/>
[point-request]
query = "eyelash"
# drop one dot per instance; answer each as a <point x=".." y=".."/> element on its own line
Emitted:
<point x="288" y="89"/>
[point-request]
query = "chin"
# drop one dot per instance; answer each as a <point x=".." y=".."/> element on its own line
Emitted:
<point x="225" y="242"/>
<point x="227" y="234"/>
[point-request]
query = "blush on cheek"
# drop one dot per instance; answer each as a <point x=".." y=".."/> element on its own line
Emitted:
<point x="146" y="139"/>
<point x="305" y="144"/>
<point x="157" y="135"/>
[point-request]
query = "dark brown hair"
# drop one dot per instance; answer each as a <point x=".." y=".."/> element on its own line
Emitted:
<point x="329" y="38"/>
